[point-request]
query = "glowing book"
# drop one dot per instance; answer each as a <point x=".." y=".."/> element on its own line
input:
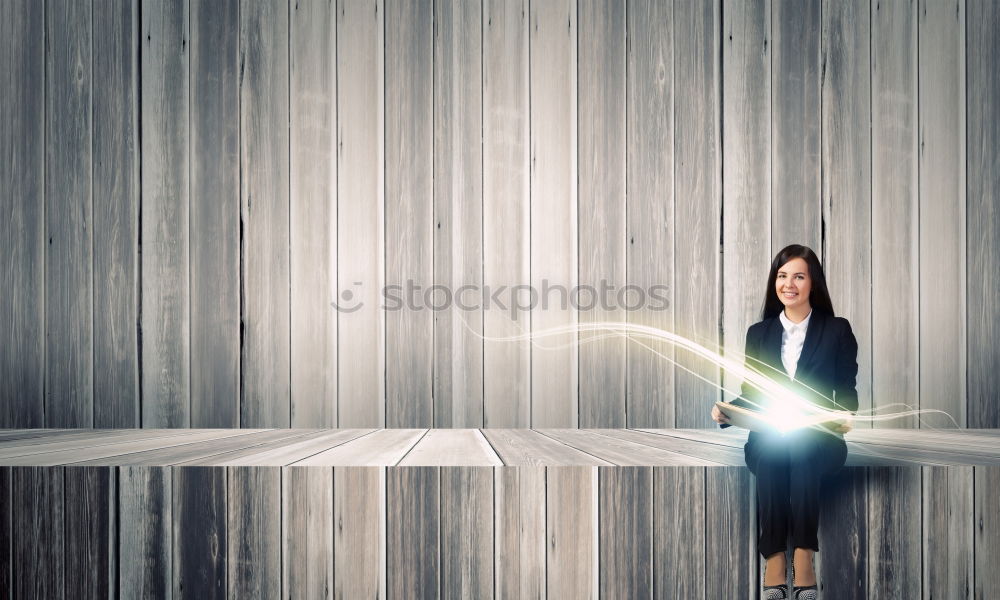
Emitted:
<point x="756" y="420"/>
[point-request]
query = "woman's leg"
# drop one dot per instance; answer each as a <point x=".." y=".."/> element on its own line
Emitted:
<point x="811" y="460"/>
<point x="768" y="461"/>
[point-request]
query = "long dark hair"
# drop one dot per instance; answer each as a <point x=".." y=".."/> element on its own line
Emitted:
<point x="819" y="295"/>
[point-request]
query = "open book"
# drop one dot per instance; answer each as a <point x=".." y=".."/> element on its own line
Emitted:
<point x="756" y="420"/>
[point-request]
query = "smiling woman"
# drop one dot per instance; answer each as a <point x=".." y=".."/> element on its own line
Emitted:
<point x="802" y="345"/>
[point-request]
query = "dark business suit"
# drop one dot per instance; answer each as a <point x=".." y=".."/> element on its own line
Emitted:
<point x="789" y="468"/>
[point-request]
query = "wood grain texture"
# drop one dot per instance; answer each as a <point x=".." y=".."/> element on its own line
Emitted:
<point x="91" y="515"/>
<point x="145" y="511"/>
<point x="265" y="361"/>
<point x="23" y="228"/>
<point x="413" y="546"/>
<point x="69" y="221"/>
<point x="506" y="212"/>
<point x="731" y="533"/>
<point x="650" y="206"/>
<point x="253" y="532"/>
<point x="571" y="531"/>
<point x="409" y="212"/>
<point x="200" y="532"/>
<point x="895" y="244"/>
<point x="359" y="538"/>
<point x="307" y="532"/>
<point x="528" y="447"/>
<point x="847" y="174"/>
<point x="115" y="147"/>
<point x="893" y="527"/>
<point x="214" y="228"/>
<point x="384" y="447"/>
<point x="452" y="447"/>
<point x="6" y="531"/>
<point x="986" y="551"/>
<point x="313" y="213"/>
<point x="679" y="560"/>
<point x="458" y="213"/>
<point x="942" y="187"/>
<point x="626" y="532"/>
<point x="796" y="124"/>
<point x="842" y="562"/>
<point x="554" y="220"/>
<point x="698" y="211"/>
<point x="602" y="223"/>
<point x="746" y="174"/>
<point x="520" y="532"/>
<point x="38" y="512"/>
<point x="164" y="236"/>
<point x="983" y="219"/>
<point x="466" y="536"/>
<point x="360" y="213"/>
<point x="948" y="528"/>
<point x="279" y="454"/>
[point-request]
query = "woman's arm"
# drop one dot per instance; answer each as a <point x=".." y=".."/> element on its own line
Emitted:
<point x="746" y="390"/>
<point x="845" y="382"/>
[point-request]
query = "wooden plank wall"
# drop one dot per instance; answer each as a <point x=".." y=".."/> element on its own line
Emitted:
<point x="456" y="532"/>
<point x="190" y="187"/>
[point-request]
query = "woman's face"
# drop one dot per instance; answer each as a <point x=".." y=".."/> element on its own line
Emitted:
<point x="793" y="283"/>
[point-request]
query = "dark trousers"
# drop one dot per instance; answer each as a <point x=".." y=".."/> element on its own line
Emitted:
<point x="789" y="470"/>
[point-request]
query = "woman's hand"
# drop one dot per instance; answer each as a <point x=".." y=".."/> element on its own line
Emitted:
<point x="842" y="425"/>
<point x="718" y="416"/>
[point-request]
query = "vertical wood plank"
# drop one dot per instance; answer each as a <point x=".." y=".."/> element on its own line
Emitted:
<point x="215" y="225"/>
<point x="69" y="223"/>
<point x="746" y="136"/>
<point x="360" y="206"/>
<point x="571" y="523"/>
<point x="796" y="124"/>
<point x="253" y="536"/>
<point x="313" y="213"/>
<point x="520" y="532"/>
<point x="553" y="91"/>
<point x="359" y="550"/>
<point x="731" y="532"/>
<point x="91" y="532"/>
<point x="413" y="545"/>
<point x="265" y="362"/>
<point x="679" y="560"/>
<point x="145" y="511"/>
<point x="409" y="211"/>
<point x="942" y="166"/>
<point x="948" y="531"/>
<point x="22" y="200"/>
<point x="626" y="531"/>
<point x="602" y="223"/>
<point x="698" y="214"/>
<point x="199" y="532"/>
<point x="466" y="509"/>
<point x="895" y="243"/>
<point x="986" y="552"/>
<point x="894" y="525"/>
<point x="458" y="213"/>
<point x="506" y="212"/>
<point x="38" y="552"/>
<point x="165" y="324"/>
<point x="846" y="169"/>
<point x="842" y="562"/>
<point x="307" y="532"/>
<point x="6" y="510"/>
<point x="116" y="211"/>
<point x="983" y="235"/>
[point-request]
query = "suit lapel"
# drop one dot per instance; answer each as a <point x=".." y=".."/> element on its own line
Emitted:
<point x="772" y="344"/>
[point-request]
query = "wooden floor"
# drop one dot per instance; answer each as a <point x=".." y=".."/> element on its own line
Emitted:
<point x="401" y="513"/>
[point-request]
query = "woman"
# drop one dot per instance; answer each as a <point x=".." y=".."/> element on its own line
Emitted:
<point x="802" y="345"/>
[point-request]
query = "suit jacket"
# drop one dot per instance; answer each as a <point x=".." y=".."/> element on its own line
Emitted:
<point x="828" y="362"/>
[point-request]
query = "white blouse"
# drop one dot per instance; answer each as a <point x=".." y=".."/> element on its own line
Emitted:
<point x="791" y="341"/>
